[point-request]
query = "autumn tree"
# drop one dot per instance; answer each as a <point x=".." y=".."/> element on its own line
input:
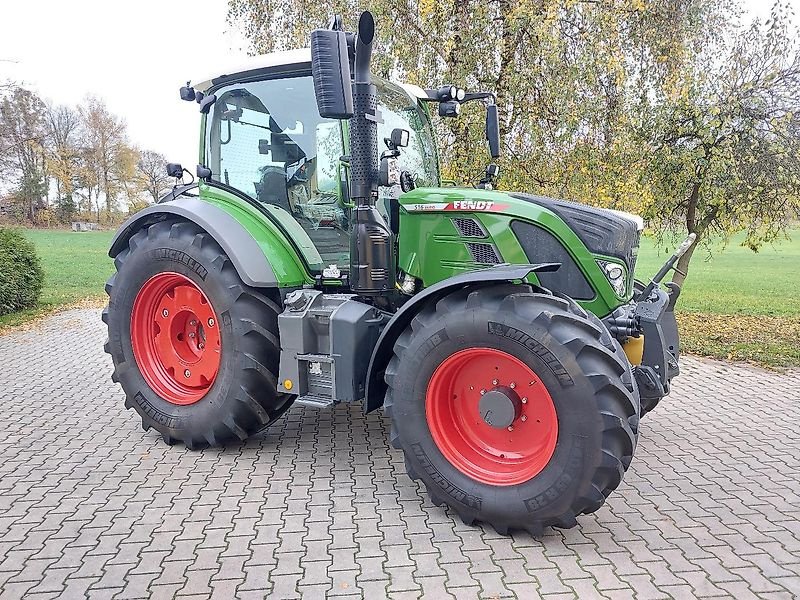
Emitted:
<point x="726" y="153"/>
<point x="108" y="161"/>
<point x="64" y="156"/>
<point x="151" y="167"/>
<point x="560" y="69"/>
<point x="23" y="135"/>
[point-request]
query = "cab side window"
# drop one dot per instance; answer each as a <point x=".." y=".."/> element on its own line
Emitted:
<point x="268" y="140"/>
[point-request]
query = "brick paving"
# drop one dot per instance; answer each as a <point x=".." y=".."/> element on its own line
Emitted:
<point x="320" y="506"/>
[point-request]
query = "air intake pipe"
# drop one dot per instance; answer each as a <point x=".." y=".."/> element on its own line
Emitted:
<point x="363" y="125"/>
<point x="372" y="268"/>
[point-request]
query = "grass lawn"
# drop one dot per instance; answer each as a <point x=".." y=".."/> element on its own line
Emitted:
<point x="76" y="266"/>
<point x="736" y="304"/>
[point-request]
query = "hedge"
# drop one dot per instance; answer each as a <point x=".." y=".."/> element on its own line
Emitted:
<point x="21" y="275"/>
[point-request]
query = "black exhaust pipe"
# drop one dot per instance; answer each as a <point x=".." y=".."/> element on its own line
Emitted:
<point x="372" y="268"/>
<point x="366" y="33"/>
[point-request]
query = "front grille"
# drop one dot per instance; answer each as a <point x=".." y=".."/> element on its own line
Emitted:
<point x="484" y="253"/>
<point x="469" y="227"/>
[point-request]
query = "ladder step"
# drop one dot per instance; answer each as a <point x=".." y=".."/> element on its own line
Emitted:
<point x="314" y="401"/>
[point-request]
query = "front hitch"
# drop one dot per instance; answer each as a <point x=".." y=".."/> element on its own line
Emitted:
<point x="648" y="329"/>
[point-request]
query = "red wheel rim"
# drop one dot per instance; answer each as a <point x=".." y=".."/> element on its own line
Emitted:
<point x="175" y="338"/>
<point x="497" y="456"/>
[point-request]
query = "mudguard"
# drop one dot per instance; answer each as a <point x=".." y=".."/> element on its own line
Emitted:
<point x="245" y="254"/>
<point x="384" y="348"/>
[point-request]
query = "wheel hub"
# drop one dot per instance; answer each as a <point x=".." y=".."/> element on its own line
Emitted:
<point x="500" y="407"/>
<point x="491" y="416"/>
<point x="175" y="338"/>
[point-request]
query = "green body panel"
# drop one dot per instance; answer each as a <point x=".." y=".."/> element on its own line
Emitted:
<point x="292" y="269"/>
<point x="432" y="249"/>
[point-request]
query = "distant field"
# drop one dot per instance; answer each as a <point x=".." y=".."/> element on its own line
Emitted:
<point x="735" y="280"/>
<point x="738" y="305"/>
<point x="76" y="266"/>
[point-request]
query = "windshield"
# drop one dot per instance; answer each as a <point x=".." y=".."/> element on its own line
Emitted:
<point x="399" y="110"/>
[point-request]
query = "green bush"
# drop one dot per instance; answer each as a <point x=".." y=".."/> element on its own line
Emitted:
<point x="21" y="275"/>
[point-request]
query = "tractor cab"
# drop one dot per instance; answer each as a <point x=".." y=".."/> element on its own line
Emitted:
<point x="264" y="137"/>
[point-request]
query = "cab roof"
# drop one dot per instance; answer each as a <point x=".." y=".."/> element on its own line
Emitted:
<point x="260" y="64"/>
<point x="252" y="65"/>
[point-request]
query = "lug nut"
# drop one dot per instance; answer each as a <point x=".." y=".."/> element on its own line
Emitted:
<point x="165" y="313"/>
<point x="201" y="345"/>
<point x="193" y="322"/>
<point x="191" y="334"/>
<point x="483" y="392"/>
<point x="523" y="418"/>
<point x="187" y="373"/>
<point x="511" y="428"/>
<point x="211" y="322"/>
<point x="525" y="400"/>
<point x="512" y="385"/>
<point x="494" y="381"/>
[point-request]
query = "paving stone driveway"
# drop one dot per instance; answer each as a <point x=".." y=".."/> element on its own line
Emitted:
<point x="320" y="505"/>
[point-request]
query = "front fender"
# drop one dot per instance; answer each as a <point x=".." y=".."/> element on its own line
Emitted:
<point x="237" y="243"/>
<point x="384" y="348"/>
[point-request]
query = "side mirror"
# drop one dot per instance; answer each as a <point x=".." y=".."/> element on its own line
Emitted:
<point x="493" y="130"/>
<point x="398" y="138"/>
<point x="175" y="170"/>
<point x="330" y="68"/>
<point x="187" y="93"/>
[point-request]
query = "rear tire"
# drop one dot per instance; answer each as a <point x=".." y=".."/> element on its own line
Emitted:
<point x="585" y="380"/>
<point x="231" y="402"/>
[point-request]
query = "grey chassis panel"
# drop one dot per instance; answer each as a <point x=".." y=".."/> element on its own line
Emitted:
<point x="236" y="242"/>
<point x="376" y="387"/>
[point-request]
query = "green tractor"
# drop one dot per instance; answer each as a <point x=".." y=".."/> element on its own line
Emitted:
<point x="503" y="333"/>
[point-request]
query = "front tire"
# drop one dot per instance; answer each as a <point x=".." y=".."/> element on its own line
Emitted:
<point x="559" y="454"/>
<point x="195" y="349"/>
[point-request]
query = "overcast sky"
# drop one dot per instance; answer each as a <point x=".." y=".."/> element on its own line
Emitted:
<point x="134" y="55"/>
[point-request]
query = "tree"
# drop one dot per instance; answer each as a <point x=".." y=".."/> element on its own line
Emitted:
<point x="64" y="156"/>
<point x="23" y="135"/>
<point x="727" y="151"/>
<point x="108" y="164"/>
<point x="151" y="167"/>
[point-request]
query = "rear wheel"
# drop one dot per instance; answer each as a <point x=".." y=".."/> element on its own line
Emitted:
<point x="512" y="408"/>
<point x="195" y="350"/>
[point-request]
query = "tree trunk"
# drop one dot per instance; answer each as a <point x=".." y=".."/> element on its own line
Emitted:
<point x="682" y="266"/>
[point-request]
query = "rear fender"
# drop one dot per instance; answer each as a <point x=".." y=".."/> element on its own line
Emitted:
<point x="237" y="243"/>
<point x="384" y="348"/>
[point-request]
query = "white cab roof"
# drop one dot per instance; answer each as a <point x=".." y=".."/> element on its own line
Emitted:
<point x="277" y="59"/>
<point x="254" y="63"/>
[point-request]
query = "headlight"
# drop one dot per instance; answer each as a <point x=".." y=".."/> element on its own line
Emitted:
<point x="615" y="273"/>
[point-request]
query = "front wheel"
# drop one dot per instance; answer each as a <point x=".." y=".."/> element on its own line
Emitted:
<point x="512" y="407"/>
<point x="195" y="349"/>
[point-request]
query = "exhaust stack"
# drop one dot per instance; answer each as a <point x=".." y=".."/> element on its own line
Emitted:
<point x="372" y="266"/>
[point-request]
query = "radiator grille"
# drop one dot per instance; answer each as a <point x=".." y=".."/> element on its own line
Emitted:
<point x="484" y="253"/>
